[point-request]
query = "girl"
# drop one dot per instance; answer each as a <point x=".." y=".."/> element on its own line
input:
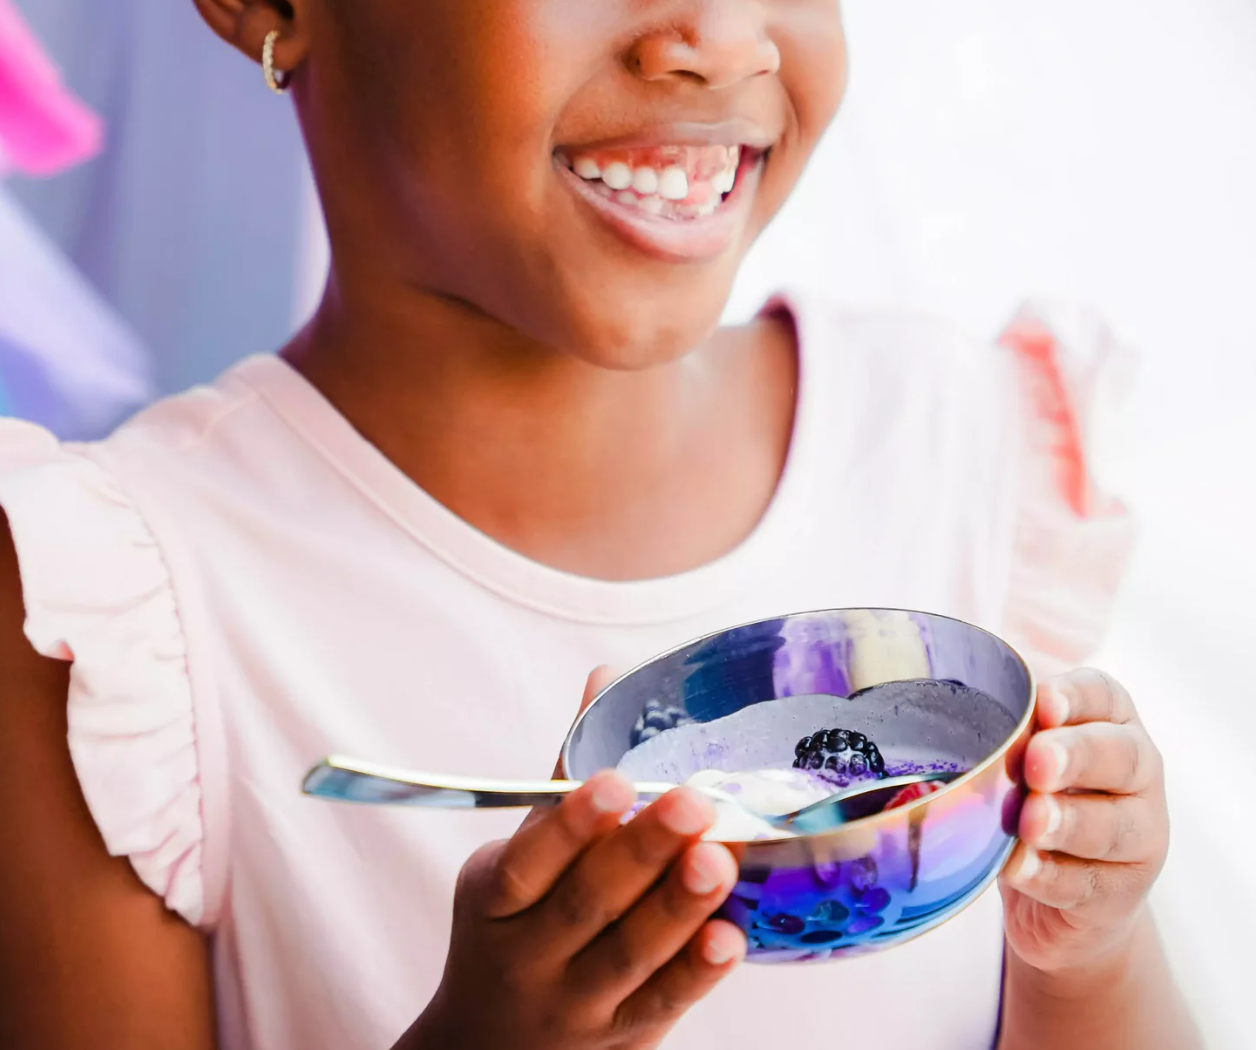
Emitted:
<point x="510" y="447"/>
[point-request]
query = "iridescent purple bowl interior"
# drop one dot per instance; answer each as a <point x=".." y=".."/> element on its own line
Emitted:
<point x="877" y="881"/>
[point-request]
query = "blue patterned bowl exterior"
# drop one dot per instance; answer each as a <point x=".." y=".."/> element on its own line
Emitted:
<point x="875" y="882"/>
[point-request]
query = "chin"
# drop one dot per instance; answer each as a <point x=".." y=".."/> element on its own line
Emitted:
<point x="632" y="325"/>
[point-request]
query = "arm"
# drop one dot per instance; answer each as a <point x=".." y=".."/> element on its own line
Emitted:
<point x="89" y="957"/>
<point x="1127" y="1002"/>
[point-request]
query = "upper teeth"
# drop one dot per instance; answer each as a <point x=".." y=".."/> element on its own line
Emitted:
<point x="670" y="184"/>
<point x="618" y="176"/>
<point x="645" y="181"/>
<point x="674" y="184"/>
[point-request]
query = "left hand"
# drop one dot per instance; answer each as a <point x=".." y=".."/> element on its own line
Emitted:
<point x="1094" y="829"/>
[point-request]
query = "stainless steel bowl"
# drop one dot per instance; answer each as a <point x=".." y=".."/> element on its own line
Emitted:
<point x="878" y="881"/>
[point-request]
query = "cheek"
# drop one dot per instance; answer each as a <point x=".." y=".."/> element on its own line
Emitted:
<point x="464" y="80"/>
<point x="814" y="66"/>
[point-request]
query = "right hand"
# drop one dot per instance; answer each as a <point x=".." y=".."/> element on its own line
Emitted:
<point x="583" y="932"/>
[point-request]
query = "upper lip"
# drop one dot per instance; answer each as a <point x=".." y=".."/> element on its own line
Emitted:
<point x="734" y="132"/>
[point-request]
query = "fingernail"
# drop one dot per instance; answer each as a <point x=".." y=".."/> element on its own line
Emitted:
<point x="721" y="948"/>
<point x="687" y="813"/>
<point x="704" y="872"/>
<point x="1059" y="755"/>
<point x="612" y="795"/>
<point x="1055" y="816"/>
<point x="1030" y="865"/>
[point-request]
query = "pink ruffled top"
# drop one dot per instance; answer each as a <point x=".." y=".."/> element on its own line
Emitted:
<point x="244" y="585"/>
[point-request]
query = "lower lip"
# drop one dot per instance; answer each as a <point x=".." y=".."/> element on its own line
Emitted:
<point x="676" y="240"/>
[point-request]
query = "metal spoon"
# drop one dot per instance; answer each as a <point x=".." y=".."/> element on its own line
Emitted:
<point x="861" y="800"/>
<point x="348" y="780"/>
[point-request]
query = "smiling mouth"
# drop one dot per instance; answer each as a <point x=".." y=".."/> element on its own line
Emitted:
<point x="679" y="183"/>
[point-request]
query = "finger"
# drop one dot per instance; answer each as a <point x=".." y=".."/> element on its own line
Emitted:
<point x="628" y="954"/>
<point x="596" y="682"/>
<point x="615" y="873"/>
<point x="1099" y="756"/>
<point x="1120" y="829"/>
<point x="1084" y="696"/>
<point x="1069" y="883"/>
<point x="534" y="860"/>
<point x="710" y="955"/>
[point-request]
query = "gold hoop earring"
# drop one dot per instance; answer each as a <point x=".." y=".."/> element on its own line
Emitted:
<point x="277" y="82"/>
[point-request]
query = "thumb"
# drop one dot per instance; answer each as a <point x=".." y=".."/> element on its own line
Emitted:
<point x="597" y="681"/>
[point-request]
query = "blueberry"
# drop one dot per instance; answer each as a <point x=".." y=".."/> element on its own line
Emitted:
<point x="790" y="924"/>
<point x="821" y="937"/>
<point x="864" y="923"/>
<point x="876" y="899"/>
<point x="863" y="874"/>
<point x="834" y="912"/>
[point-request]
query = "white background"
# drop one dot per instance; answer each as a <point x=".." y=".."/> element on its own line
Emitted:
<point x="1102" y="151"/>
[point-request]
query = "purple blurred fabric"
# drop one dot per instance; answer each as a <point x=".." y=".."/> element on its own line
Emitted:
<point x="190" y="220"/>
<point x="66" y="360"/>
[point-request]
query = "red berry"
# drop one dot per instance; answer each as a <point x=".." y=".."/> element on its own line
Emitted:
<point x="913" y="792"/>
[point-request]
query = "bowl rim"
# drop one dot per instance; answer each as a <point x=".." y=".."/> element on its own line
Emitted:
<point x="884" y="816"/>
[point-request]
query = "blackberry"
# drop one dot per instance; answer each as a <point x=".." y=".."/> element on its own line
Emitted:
<point x="846" y="754"/>
<point x="656" y="718"/>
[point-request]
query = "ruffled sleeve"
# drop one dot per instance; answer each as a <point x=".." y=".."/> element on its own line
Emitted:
<point x="98" y="593"/>
<point x="1072" y="537"/>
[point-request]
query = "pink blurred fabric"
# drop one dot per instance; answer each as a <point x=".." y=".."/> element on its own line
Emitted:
<point x="43" y="127"/>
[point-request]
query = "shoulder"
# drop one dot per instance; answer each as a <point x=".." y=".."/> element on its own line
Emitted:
<point x="918" y="392"/>
<point x="1013" y="427"/>
<point x="104" y="585"/>
<point x="185" y="423"/>
<point x="899" y="363"/>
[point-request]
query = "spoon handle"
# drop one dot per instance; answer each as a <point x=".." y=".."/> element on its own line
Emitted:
<point x="348" y="780"/>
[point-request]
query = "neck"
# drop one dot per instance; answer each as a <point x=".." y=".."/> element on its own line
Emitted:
<point x="572" y="464"/>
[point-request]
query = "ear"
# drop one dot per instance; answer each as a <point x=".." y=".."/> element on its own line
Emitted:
<point x="245" y="24"/>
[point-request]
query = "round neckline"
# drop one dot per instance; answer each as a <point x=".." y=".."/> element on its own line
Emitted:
<point x="530" y="583"/>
